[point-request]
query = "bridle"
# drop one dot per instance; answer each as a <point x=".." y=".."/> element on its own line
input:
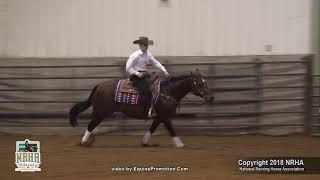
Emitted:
<point x="196" y="84"/>
<point x="194" y="78"/>
<point x="197" y="87"/>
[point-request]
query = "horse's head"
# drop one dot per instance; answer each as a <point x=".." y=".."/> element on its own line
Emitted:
<point x="199" y="86"/>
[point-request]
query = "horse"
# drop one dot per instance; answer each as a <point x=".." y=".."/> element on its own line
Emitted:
<point x="173" y="90"/>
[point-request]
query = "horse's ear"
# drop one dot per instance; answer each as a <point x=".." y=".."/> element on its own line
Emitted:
<point x="191" y="73"/>
<point x="197" y="71"/>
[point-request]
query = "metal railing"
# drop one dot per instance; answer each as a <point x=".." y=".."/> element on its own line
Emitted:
<point x="316" y="106"/>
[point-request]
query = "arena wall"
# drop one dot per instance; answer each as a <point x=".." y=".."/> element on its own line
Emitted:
<point x="105" y="28"/>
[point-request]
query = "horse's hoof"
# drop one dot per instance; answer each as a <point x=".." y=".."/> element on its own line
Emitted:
<point x="177" y="142"/>
<point x="179" y="145"/>
<point x="87" y="143"/>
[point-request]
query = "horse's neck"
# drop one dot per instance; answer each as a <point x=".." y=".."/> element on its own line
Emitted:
<point x="179" y="89"/>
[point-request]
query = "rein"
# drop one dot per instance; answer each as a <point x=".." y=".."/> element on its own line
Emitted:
<point x="168" y="97"/>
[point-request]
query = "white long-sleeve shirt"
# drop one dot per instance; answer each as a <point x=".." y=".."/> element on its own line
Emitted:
<point x="138" y="62"/>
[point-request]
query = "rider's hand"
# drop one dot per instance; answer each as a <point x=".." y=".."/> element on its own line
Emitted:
<point x="141" y="74"/>
<point x="166" y="74"/>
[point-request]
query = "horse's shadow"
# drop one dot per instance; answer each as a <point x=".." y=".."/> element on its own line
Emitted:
<point x="122" y="146"/>
<point x="137" y="146"/>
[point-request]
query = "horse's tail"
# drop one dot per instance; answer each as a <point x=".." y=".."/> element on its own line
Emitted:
<point x="80" y="107"/>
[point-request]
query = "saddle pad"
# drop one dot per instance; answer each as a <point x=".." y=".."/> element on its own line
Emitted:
<point x="128" y="98"/>
<point x="126" y="93"/>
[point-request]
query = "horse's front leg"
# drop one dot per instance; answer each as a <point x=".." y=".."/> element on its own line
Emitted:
<point x="147" y="136"/>
<point x="176" y="140"/>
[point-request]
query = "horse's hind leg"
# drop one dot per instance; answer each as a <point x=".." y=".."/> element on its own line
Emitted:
<point x="88" y="138"/>
<point x="176" y="140"/>
<point x="147" y="136"/>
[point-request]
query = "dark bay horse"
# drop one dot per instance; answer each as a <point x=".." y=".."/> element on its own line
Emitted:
<point x="173" y="90"/>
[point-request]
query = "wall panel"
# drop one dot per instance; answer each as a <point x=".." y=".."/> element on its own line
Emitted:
<point x="69" y="28"/>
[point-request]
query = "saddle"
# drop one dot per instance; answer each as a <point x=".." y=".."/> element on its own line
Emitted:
<point x="128" y="94"/>
<point x="127" y="85"/>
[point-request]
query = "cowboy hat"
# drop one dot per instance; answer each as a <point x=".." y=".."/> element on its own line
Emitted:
<point x="143" y="40"/>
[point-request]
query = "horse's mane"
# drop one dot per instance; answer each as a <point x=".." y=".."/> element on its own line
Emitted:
<point x="173" y="79"/>
<point x="177" y="78"/>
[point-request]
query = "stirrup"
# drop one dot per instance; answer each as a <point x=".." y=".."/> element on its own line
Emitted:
<point x="151" y="113"/>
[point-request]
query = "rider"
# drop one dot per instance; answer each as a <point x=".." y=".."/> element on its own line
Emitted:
<point x="137" y="68"/>
<point x="27" y="147"/>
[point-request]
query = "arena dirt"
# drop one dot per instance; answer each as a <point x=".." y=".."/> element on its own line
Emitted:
<point x="206" y="157"/>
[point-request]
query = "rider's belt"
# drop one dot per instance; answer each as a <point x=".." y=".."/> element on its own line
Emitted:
<point x="142" y="71"/>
